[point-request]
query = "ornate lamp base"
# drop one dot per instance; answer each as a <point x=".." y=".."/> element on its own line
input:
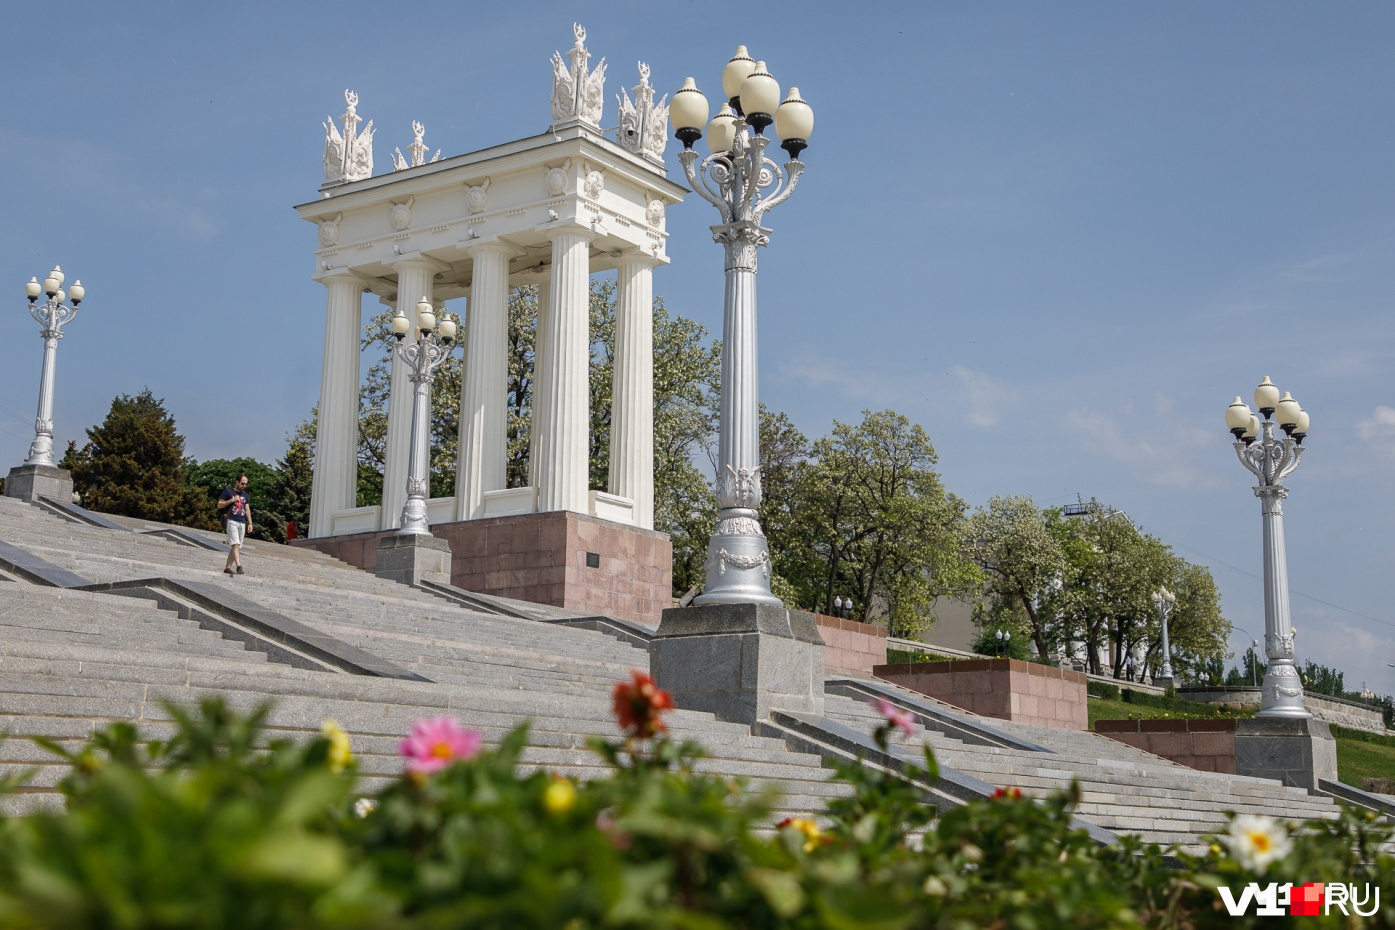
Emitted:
<point x="1282" y="694"/>
<point x="738" y="565"/>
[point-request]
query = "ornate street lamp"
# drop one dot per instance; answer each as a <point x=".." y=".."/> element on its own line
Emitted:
<point x="1004" y="637"/>
<point x="423" y="356"/>
<point x="53" y="314"/>
<point x="1164" y="600"/>
<point x="1271" y="460"/>
<point x="743" y="185"/>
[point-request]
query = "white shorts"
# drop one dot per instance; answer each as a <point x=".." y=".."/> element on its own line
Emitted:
<point x="236" y="531"/>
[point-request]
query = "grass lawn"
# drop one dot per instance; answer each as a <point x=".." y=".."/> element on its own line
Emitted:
<point x="1180" y="708"/>
<point x="1362" y="755"/>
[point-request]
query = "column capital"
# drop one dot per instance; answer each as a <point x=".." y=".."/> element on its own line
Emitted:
<point x="341" y="274"/>
<point x="567" y="228"/>
<point x="638" y="257"/>
<point x="492" y="245"/>
<point x="419" y="260"/>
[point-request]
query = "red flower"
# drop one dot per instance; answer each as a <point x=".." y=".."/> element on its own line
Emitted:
<point x="638" y="704"/>
<point x="1012" y="794"/>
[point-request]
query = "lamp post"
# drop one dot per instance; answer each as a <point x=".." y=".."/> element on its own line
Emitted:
<point x="53" y="314"/>
<point x="1254" y="645"/>
<point x="743" y="185"/>
<point x="423" y="356"/>
<point x="1164" y="600"/>
<point x="1004" y="637"/>
<point x="1271" y="460"/>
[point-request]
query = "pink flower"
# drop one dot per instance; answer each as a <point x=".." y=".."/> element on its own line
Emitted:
<point x="897" y="718"/>
<point x="435" y="743"/>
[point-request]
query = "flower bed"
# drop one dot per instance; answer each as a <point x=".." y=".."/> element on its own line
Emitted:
<point x="216" y="828"/>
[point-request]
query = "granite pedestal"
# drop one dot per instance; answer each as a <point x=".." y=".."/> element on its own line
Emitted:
<point x="410" y="559"/>
<point x="31" y="482"/>
<point x="1297" y="751"/>
<point x="739" y="661"/>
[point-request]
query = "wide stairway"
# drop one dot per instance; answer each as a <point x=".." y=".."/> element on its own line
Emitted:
<point x="72" y="661"/>
<point x="1123" y="789"/>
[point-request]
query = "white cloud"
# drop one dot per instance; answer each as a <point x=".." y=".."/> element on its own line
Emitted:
<point x="974" y="397"/>
<point x="1155" y="451"/>
<point x="1379" y="427"/>
<point x="980" y="398"/>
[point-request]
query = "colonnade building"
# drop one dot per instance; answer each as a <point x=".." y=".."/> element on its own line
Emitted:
<point x="550" y="211"/>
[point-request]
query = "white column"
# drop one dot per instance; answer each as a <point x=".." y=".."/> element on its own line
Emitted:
<point x="632" y="398"/>
<point x="484" y="384"/>
<point x="538" y="421"/>
<point x="336" y="428"/>
<point x="562" y="442"/>
<point x="414" y="280"/>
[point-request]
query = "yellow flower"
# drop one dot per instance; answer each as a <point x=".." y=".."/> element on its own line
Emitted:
<point x="560" y="796"/>
<point x="341" y="751"/>
<point x="813" y="836"/>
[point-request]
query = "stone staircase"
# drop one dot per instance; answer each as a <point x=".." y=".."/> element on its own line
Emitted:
<point x="1123" y="789"/>
<point x="72" y="661"/>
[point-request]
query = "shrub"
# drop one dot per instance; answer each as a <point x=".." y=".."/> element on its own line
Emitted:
<point x="215" y="828"/>
<point x="1101" y="689"/>
<point x="909" y="656"/>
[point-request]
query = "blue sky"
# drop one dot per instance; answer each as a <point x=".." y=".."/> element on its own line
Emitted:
<point x="1059" y="236"/>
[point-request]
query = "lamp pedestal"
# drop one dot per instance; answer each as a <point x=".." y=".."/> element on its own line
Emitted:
<point x="31" y="481"/>
<point x="1298" y="751"/>
<point x="410" y="559"/>
<point x="739" y="661"/>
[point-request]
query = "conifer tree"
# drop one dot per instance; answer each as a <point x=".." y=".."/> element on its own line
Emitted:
<point x="133" y="465"/>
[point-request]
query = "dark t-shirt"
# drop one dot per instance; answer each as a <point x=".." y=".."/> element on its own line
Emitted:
<point x="237" y="510"/>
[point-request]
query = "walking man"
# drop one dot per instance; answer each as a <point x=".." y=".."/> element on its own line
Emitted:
<point x="235" y="507"/>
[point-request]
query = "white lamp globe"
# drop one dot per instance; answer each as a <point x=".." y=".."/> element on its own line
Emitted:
<point x="1237" y="415"/>
<point x="794" y="123"/>
<point x="1266" y="396"/>
<point x="760" y="98"/>
<point x="689" y="112"/>
<point x="736" y="72"/>
<point x="1286" y="412"/>
<point x="721" y="132"/>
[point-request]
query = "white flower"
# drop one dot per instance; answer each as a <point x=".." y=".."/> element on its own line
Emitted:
<point x="1256" y="841"/>
<point x="364" y="806"/>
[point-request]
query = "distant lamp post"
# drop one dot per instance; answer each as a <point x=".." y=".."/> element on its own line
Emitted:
<point x="1004" y="637"/>
<point x="1164" y="600"/>
<point x="1271" y="460"/>
<point x="53" y="314"/>
<point x="743" y="185"/>
<point x="423" y="356"/>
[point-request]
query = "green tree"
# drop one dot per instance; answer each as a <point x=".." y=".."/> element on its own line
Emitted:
<point x="294" y="477"/>
<point x="1319" y="679"/>
<point x="1023" y="557"/>
<point x="1105" y="596"/>
<point x="877" y="524"/>
<point x="133" y="465"/>
<point x="784" y="473"/>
